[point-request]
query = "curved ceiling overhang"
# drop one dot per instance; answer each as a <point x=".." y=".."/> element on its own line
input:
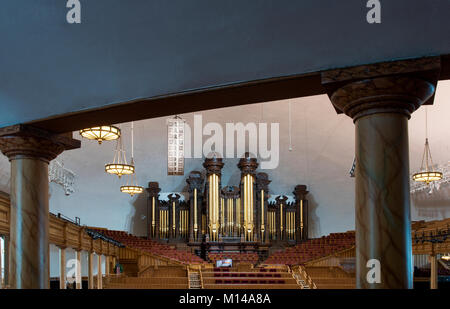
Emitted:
<point x="160" y="57"/>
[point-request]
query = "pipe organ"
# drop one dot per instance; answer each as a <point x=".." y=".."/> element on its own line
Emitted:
<point x="228" y="217"/>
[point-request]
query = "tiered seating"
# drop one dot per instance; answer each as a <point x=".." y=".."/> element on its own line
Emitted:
<point x="153" y="247"/>
<point x="259" y="278"/>
<point x="313" y="249"/>
<point x="326" y="277"/>
<point x="235" y="256"/>
<point x="163" y="277"/>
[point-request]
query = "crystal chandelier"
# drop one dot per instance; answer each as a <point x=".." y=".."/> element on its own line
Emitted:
<point x="427" y="174"/>
<point x="119" y="166"/>
<point x="132" y="187"/>
<point x="417" y="187"/>
<point x="101" y="133"/>
<point x="60" y="175"/>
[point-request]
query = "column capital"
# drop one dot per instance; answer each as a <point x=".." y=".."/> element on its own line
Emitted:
<point x="388" y="87"/>
<point x="213" y="165"/>
<point x="23" y="141"/>
<point x="230" y="192"/>
<point x="262" y="182"/>
<point x="195" y="181"/>
<point x="300" y="192"/>
<point x="248" y="164"/>
<point x="153" y="189"/>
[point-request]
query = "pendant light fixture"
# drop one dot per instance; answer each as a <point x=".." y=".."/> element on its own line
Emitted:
<point x="175" y="146"/>
<point x="132" y="187"/>
<point x="119" y="166"/>
<point x="427" y="173"/>
<point x="101" y="133"/>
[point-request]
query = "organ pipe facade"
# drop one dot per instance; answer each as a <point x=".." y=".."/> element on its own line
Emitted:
<point x="243" y="216"/>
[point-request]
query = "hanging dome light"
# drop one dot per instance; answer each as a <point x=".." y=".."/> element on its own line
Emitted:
<point x="427" y="173"/>
<point x="119" y="166"/>
<point x="102" y="133"/>
<point x="131" y="190"/>
<point x="446" y="257"/>
<point x="132" y="187"/>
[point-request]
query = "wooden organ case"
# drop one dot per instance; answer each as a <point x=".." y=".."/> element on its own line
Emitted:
<point x="228" y="218"/>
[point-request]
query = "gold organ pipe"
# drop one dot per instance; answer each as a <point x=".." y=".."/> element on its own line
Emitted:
<point x="301" y="218"/>
<point x="222" y="214"/>
<point x="294" y="226"/>
<point x="195" y="211"/>
<point x="211" y="206"/>
<point x="166" y="223"/>
<point x="281" y="220"/>
<point x="290" y="224"/>
<point x="244" y="204"/>
<point x="216" y="206"/>
<point x="250" y="180"/>
<point x="262" y="208"/>
<point x="174" y="223"/>
<point x="238" y="214"/>
<point x="153" y="211"/>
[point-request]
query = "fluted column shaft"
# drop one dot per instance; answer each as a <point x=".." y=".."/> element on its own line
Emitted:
<point x="381" y="98"/>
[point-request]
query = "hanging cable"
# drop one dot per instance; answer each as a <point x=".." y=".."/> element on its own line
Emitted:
<point x="132" y="140"/>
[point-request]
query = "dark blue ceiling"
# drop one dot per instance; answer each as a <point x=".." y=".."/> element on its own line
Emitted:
<point x="125" y="50"/>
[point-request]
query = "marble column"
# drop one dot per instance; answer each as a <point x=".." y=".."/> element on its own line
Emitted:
<point x="380" y="98"/>
<point x="99" y="272"/>
<point x="78" y="278"/>
<point x="90" y="270"/>
<point x="433" y="271"/>
<point x="1" y="266"/>
<point x="6" y="261"/>
<point x="30" y="150"/>
<point x="62" y="268"/>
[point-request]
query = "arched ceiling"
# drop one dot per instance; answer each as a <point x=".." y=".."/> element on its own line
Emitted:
<point x="133" y="50"/>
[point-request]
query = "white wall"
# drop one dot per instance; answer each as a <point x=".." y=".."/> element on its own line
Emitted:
<point x="323" y="151"/>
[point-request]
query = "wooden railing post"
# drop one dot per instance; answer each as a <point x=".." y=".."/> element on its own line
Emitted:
<point x="62" y="268"/>
<point x="99" y="272"/>
<point x="91" y="270"/>
<point x="78" y="279"/>
<point x="433" y="271"/>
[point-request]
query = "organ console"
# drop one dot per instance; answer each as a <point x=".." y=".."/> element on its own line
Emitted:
<point x="238" y="218"/>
